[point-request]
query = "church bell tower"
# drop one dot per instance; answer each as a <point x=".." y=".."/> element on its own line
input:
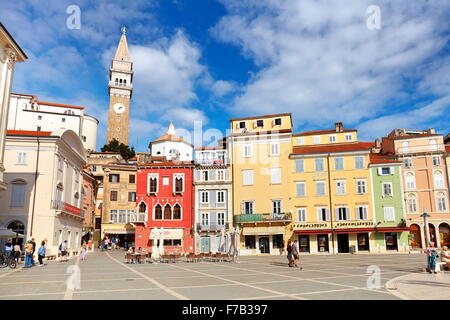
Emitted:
<point x="120" y="90"/>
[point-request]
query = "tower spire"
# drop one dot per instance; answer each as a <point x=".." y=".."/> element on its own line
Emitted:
<point x="122" y="53"/>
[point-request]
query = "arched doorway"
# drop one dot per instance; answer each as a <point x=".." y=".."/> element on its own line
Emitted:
<point x="415" y="240"/>
<point x="17" y="227"/>
<point x="432" y="230"/>
<point x="444" y="234"/>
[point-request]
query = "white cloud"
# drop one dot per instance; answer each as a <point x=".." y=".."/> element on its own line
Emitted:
<point x="221" y="88"/>
<point x="318" y="60"/>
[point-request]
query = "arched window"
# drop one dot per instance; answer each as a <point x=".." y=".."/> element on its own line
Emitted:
<point x="158" y="212"/>
<point x="142" y="207"/>
<point x="441" y="202"/>
<point x="16" y="226"/>
<point x="117" y="81"/>
<point x="438" y="179"/>
<point x="412" y="203"/>
<point x="405" y="147"/>
<point x="444" y="234"/>
<point x="76" y="197"/>
<point x="18" y="193"/>
<point x="177" y="212"/>
<point x="433" y="145"/>
<point x="124" y="82"/>
<point x="59" y="193"/>
<point x="178" y="184"/>
<point x="167" y="212"/>
<point x="120" y="81"/>
<point x="414" y="236"/>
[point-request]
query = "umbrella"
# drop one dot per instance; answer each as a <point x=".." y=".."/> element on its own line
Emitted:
<point x="161" y="241"/>
<point x="8" y="233"/>
<point x="232" y="242"/>
<point x="237" y="245"/>
<point x="197" y="243"/>
<point x="222" y="241"/>
<point x="213" y="247"/>
<point x="155" y="253"/>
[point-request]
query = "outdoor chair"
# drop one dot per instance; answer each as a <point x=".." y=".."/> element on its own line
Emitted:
<point x="197" y="257"/>
<point x="190" y="257"/>
<point x="128" y="258"/>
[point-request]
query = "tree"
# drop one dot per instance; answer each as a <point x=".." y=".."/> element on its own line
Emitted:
<point x="114" y="146"/>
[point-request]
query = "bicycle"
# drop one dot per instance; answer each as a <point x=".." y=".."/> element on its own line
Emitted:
<point x="7" y="261"/>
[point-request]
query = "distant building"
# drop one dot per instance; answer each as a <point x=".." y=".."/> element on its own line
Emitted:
<point x="171" y="146"/>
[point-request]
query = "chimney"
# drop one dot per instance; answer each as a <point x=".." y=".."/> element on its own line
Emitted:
<point x="338" y="126"/>
<point x="432" y="131"/>
<point x="377" y="143"/>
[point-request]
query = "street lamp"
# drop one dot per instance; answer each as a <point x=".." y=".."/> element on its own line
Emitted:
<point x="425" y="217"/>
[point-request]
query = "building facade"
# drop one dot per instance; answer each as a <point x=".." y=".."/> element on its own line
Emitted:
<point x="89" y="195"/>
<point x="10" y="53"/>
<point x="165" y="194"/>
<point x="44" y="170"/>
<point x="259" y="149"/>
<point x="213" y="205"/>
<point x="171" y="146"/>
<point x="425" y="183"/>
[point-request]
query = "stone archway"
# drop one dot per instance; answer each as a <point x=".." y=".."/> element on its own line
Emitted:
<point x="415" y="238"/>
<point x="444" y="234"/>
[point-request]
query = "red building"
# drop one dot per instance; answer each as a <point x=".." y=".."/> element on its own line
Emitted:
<point x="165" y="193"/>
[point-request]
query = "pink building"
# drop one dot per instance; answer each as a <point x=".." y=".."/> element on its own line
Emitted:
<point x="425" y="182"/>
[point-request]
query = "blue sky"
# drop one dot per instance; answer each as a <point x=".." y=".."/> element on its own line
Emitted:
<point x="208" y="61"/>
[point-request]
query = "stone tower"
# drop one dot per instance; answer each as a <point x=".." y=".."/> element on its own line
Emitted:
<point x="120" y="90"/>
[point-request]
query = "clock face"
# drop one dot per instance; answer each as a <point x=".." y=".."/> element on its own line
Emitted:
<point x="119" y="108"/>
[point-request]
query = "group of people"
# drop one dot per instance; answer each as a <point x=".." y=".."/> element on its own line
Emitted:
<point x="432" y="255"/>
<point x="110" y="243"/>
<point x="29" y="249"/>
<point x="293" y="254"/>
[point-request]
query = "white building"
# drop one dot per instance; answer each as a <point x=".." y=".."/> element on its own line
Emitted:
<point x="29" y="114"/>
<point x="44" y="170"/>
<point x="10" y="53"/>
<point x="213" y="202"/>
<point x="172" y="146"/>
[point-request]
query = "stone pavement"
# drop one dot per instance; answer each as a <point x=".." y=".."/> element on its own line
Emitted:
<point x="106" y="276"/>
<point x="422" y="286"/>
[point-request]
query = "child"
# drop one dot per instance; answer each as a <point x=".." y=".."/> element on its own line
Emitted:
<point x="41" y="253"/>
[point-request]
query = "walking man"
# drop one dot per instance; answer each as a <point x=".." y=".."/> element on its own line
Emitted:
<point x="296" y="254"/>
<point x="41" y="253"/>
<point x="63" y="251"/>
<point x="8" y="248"/>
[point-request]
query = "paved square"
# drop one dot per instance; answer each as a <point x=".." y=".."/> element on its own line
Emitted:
<point x="106" y="276"/>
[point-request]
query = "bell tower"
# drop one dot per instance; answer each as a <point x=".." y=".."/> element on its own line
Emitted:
<point x="120" y="90"/>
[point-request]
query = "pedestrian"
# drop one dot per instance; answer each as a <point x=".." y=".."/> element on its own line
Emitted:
<point x="431" y="257"/>
<point x="17" y="252"/>
<point x="113" y="241"/>
<point x="63" y="251"/>
<point x="281" y="245"/>
<point x="445" y="256"/>
<point x="41" y="253"/>
<point x="289" y="253"/>
<point x="28" y="255"/>
<point x="296" y="254"/>
<point x="8" y="248"/>
<point x="83" y="251"/>
<point x="33" y="243"/>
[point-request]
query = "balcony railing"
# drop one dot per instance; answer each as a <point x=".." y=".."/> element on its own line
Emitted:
<point x="120" y="85"/>
<point x="220" y="205"/>
<point x="125" y="218"/>
<point x="212" y="227"/>
<point x="263" y="217"/>
<point x="67" y="208"/>
<point x="208" y="162"/>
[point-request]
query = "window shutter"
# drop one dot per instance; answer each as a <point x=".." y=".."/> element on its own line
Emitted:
<point x="380" y="172"/>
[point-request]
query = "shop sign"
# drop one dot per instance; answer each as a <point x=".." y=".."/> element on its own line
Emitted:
<point x="319" y="225"/>
<point x="347" y="224"/>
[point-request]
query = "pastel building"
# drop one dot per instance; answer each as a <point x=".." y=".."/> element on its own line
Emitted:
<point x="425" y="181"/>
<point x="172" y="147"/>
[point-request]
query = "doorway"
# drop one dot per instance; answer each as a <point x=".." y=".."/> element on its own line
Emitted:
<point x="342" y="240"/>
<point x="391" y="240"/>
<point x="322" y="242"/>
<point x="304" y="243"/>
<point x="205" y="244"/>
<point x="363" y="241"/>
<point x="264" y="244"/>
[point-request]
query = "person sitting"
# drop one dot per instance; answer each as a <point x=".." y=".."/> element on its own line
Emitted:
<point x="445" y="257"/>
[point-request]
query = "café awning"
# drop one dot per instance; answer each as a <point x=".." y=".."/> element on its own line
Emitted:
<point x="253" y="231"/>
<point x="119" y="231"/>
<point x="172" y="233"/>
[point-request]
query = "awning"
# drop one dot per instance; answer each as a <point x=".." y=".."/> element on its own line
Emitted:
<point x="392" y="229"/>
<point x="8" y="233"/>
<point x="173" y="234"/>
<point x="119" y="231"/>
<point x="313" y="231"/>
<point x="253" y="231"/>
<point x="355" y="230"/>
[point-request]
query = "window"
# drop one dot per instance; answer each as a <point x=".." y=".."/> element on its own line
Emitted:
<point x="63" y="119"/>
<point x="323" y="214"/>
<point x="247" y="177"/>
<point x="332" y="138"/>
<point x="412" y="203"/>
<point x="360" y="186"/>
<point x="277" y="122"/>
<point x="39" y="117"/>
<point x="319" y="164"/>
<point x="177" y="212"/>
<point x="275" y="175"/>
<point x="21" y="158"/>
<point x="438" y="179"/>
<point x="410" y="181"/>
<point x="301" y="214"/>
<point x="178" y="183"/>
<point x="259" y="123"/>
<point x="59" y="192"/>
<point x="276" y="206"/>
<point x="389" y="214"/>
<point x="132" y="178"/>
<point x="60" y="165"/>
<point x="247" y="150"/>
<point x="113" y="216"/>
<point x="340" y="187"/>
<point x="205" y="175"/>
<point x="407" y="162"/>
<point x="316" y="139"/>
<point x="359" y="162"/>
<point x="361" y="213"/>
<point x="142" y="207"/>
<point x="250" y="242"/>
<point x="205" y="196"/>
<point x="342" y="214"/>
<point x="436" y="161"/>
<point x="441" y="202"/>
<point x="38" y="128"/>
<point x="433" y="145"/>
<point x="242" y="125"/>
<point x="301" y="189"/>
<point x="405" y="147"/>
<point x="167" y="212"/>
<point x="320" y="188"/>
<point x="18" y="193"/>
<point x="158" y="212"/>
<point x="299" y="165"/>
<point x="152" y="183"/>
<point x="131" y="196"/>
<point x="220" y="175"/>
<point x="348" y="137"/>
<point x="205" y="219"/>
<point x="387" y="189"/>
<point x="122" y="216"/>
<point x="301" y="140"/>
<point x="221" y="218"/>
<point x="248" y="207"/>
<point x="165" y="181"/>
<point x="113" y="196"/>
<point x="339" y="163"/>
<point x="274" y="149"/>
<point x="114" y="178"/>
<point x="220" y="196"/>
<point x="385" y="171"/>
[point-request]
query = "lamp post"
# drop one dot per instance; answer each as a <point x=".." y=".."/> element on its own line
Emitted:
<point x="425" y="217"/>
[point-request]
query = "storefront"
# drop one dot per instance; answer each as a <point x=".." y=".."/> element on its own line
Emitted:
<point x="262" y="240"/>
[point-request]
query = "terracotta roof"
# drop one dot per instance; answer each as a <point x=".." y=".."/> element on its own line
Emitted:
<point x="28" y="133"/>
<point x="23" y="94"/>
<point x="311" y="133"/>
<point x="171" y="137"/>
<point x="210" y="148"/>
<point x="262" y="117"/>
<point x="382" y="158"/>
<point x="342" y="147"/>
<point x="259" y="132"/>
<point x="167" y="163"/>
<point x="59" y="105"/>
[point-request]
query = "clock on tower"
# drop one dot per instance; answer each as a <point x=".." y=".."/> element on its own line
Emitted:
<point x="120" y="90"/>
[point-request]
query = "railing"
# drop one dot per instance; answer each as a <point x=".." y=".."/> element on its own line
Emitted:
<point x="212" y="227"/>
<point x="67" y="208"/>
<point x="120" y="85"/>
<point x="212" y="162"/>
<point x="220" y="205"/>
<point x="263" y="217"/>
<point x="125" y="218"/>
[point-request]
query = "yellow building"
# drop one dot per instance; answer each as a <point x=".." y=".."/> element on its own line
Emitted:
<point x="330" y="191"/>
<point x="259" y="152"/>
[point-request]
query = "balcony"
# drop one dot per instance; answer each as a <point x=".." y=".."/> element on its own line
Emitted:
<point x="120" y="85"/>
<point x="66" y="208"/>
<point x="263" y="217"/>
<point x="212" y="162"/>
<point x="124" y="218"/>
<point x="219" y="205"/>
<point x="212" y="227"/>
